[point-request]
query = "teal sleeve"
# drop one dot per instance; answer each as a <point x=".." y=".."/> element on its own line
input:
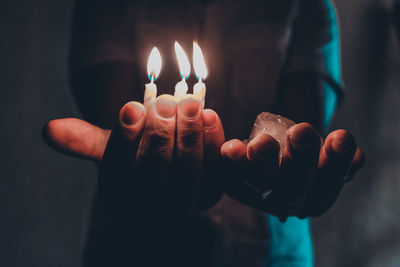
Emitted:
<point x="291" y="243"/>
<point x="331" y="57"/>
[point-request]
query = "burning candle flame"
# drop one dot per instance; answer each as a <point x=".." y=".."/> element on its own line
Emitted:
<point x="183" y="61"/>
<point x="154" y="64"/>
<point x="198" y="62"/>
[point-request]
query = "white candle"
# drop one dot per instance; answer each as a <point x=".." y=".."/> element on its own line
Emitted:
<point x="181" y="87"/>
<point x="199" y="89"/>
<point x="153" y="70"/>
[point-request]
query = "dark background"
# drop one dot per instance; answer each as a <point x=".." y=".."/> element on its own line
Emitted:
<point x="45" y="196"/>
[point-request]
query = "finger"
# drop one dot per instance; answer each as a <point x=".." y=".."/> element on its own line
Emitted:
<point x="117" y="178"/>
<point x="214" y="136"/>
<point x="356" y="164"/>
<point x="125" y="136"/>
<point x="335" y="160"/>
<point x="234" y="150"/>
<point x="263" y="152"/>
<point x="76" y="137"/>
<point x="157" y="146"/>
<point x="213" y="182"/>
<point x="298" y="163"/>
<point x="189" y="151"/>
<point x="234" y="153"/>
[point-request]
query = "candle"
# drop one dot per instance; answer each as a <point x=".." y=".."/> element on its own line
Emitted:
<point x="199" y="89"/>
<point x="274" y="125"/>
<point x="181" y="87"/>
<point x="153" y="70"/>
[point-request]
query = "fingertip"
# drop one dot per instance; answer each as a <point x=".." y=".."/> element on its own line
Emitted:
<point x="55" y="131"/>
<point x="263" y="147"/>
<point x="343" y="142"/>
<point x="165" y="106"/>
<point x="131" y="113"/>
<point x="47" y="132"/>
<point x="131" y="119"/>
<point x="209" y="118"/>
<point x="189" y="108"/>
<point x="339" y="143"/>
<point x="359" y="159"/>
<point x="303" y="136"/>
<point x="356" y="164"/>
<point x="234" y="150"/>
<point x="44" y="130"/>
<point x="51" y="139"/>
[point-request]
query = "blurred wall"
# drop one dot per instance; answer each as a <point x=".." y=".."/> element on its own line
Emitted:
<point x="44" y="196"/>
<point x="363" y="229"/>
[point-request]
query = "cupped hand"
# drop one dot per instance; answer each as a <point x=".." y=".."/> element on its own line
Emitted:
<point x="161" y="158"/>
<point x="306" y="181"/>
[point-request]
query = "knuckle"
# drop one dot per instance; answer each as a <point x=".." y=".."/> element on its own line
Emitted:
<point x="159" y="139"/>
<point x="306" y="125"/>
<point x="342" y="147"/>
<point x="344" y="137"/>
<point x="130" y="134"/>
<point x="359" y="158"/>
<point x="189" y="138"/>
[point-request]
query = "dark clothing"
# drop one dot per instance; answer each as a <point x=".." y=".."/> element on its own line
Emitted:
<point x="249" y="47"/>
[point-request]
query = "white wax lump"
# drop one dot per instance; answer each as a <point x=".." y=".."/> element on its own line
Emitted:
<point x="274" y="125"/>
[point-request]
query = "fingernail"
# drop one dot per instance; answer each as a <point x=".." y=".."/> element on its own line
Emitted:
<point x="300" y="143"/>
<point x="343" y="144"/>
<point x="262" y="155"/>
<point x="132" y="113"/>
<point x="264" y="150"/>
<point x="303" y="138"/>
<point x="166" y="108"/>
<point x="231" y="153"/>
<point x="189" y="107"/>
<point x="209" y="118"/>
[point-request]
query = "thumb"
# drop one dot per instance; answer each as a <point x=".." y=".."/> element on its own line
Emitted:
<point x="76" y="137"/>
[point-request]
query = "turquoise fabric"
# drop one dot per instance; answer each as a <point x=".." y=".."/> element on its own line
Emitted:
<point x="331" y="53"/>
<point x="291" y="243"/>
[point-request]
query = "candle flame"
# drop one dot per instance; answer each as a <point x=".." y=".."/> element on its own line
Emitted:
<point x="198" y="62"/>
<point x="154" y="64"/>
<point x="183" y="61"/>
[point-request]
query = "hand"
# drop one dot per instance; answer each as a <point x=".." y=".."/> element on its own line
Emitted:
<point x="305" y="182"/>
<point x="142" y="162"/>
<point x="150" y="178"/>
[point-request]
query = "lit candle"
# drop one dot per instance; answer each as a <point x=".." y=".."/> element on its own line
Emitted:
<point x="199" y="89"/>
<point x="153" y="70"/>
<point x="181" y="87"/>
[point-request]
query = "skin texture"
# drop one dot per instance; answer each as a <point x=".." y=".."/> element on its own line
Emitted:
<point x="191" y="173"/>
<point x="151" y="169"/>
<point x="164" y="143"/>
<point x="306" y="181"/>
<point x="161" y="166"/>
<point x="144" y="139"/>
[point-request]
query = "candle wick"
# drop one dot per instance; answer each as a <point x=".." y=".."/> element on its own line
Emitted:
<point x="200" y="80"/>
<point x="152" y="79"/>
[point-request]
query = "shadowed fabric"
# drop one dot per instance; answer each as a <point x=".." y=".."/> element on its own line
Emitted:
<point x="249" y="47"/>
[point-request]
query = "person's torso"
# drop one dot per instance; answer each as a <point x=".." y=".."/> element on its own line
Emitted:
<point x="245" y="46"/>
